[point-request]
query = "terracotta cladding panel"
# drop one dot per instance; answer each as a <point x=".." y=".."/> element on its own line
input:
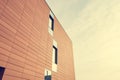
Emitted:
<point x="16" y="61"/>
<point x="26" y="45"/>
<point x="65" y="54"/>
<point x="32" y="68"/>
<point x="3" y="63"/>
<point x="4" y="47"/>
<point x="16" y="7"/>
<point x="8" y="77"/>
<point x="13" y="14"/>
<point x="4" y="57"/>
<point x="6" y="30"/>
<point x="13" y="73"/>
<point x="3" y="60"/>
<point x="14" y="67"/>
<point x="6" y="36"/>
<point x="21" y="43"/>
<point x="6" y="25"/>
<point x="5" y="42"/>
<point x="28" y="77"/>
<point x="18" y="51"/>
<point x="27" y="17"/>
<point x="9" y="25"/>
<point x="2" y="5"/>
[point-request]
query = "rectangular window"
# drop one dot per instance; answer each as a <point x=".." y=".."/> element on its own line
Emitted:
<point x="55" y="51"/>
<point x="54" y="56"/>
<point x="51" y="22"/>
<point x="47" y="75"/>
<point x="2" y="69"/>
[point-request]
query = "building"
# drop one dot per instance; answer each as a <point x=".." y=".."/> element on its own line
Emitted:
<point x="33" y="44"/>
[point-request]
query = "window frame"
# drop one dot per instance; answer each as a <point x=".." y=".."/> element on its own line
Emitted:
<point x="52" y="22"/>
<point x="56" y="55"/>
<point x="48" y="75"/>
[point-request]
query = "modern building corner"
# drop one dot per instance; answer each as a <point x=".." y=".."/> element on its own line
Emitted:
<point x="33" y="44"/>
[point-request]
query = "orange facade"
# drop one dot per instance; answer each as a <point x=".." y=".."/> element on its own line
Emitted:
<point x="28" y="49"/>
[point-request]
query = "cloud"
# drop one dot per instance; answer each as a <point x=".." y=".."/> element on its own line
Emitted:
<point x="67" y="11"/>
<point x="94" y="28"/>
<point x="95" y="35"/>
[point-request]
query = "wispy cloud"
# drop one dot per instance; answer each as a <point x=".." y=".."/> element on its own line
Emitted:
<point x="67" y="11"/>
<point x="96" y="43"/>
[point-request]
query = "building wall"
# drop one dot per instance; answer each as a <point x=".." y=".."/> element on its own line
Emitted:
<point x="26" y="45"/>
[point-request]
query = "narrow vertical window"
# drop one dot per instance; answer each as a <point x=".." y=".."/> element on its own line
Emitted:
<point x="2" y="69"/>
<point x="51" y="22"/>
<point x="55" y="54"/>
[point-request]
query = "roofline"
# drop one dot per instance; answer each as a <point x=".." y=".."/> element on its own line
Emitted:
<point x="58" y="21"/>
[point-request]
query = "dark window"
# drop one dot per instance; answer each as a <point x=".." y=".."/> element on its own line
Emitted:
<point x="48" y="77"/>
<point x="56" y="54"/>
<point x="2" y="69"/>
<point x="51" y="22"/>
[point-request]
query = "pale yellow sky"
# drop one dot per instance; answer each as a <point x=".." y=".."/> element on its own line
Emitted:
<point x="95" y="32"/>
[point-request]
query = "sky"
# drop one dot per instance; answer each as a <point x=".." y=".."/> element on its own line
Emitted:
<point x="94" y="28"/>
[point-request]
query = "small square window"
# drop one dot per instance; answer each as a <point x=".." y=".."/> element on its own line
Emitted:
<point x="47" y="75"/>
<point x="2" y="69"/>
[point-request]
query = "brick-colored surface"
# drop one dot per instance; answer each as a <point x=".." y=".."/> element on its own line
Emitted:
<point x="26" y="45"/>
